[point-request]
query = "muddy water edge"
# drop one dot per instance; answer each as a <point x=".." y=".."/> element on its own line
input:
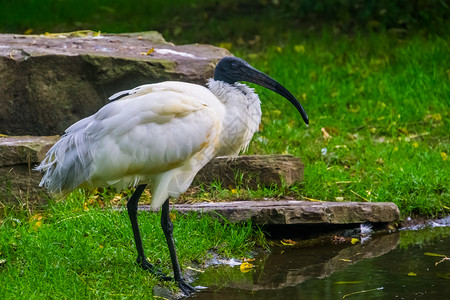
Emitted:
<point x="348" y="263"/>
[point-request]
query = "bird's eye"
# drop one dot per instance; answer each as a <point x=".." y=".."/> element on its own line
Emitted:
<point x="233" y="66"/>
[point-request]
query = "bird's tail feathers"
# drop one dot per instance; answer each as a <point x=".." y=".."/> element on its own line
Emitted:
<point x="67" y="164"/>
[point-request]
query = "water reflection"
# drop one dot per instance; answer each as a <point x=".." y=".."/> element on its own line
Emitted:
<point x="390" y="266"/>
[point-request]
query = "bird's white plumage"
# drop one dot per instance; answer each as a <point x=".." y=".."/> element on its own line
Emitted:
<point x="242" y="116"/>
<point x="161" y="134"/>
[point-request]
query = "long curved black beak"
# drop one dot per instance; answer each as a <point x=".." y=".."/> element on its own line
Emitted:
<point x="232" y="69"/>
<point x="259" y="78"/>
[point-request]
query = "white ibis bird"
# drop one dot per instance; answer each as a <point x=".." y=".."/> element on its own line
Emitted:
<point x="160" y="135"/>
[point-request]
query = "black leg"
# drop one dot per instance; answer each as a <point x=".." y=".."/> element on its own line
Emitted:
<point x="132" y="206"/>
<point x="167" y="228"/>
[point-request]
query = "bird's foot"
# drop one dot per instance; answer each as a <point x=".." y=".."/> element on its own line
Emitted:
<point x="185" y="287"/>
<point x="144" y="264"/>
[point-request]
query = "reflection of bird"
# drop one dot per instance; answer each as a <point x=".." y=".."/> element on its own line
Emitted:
<point x="366" y="230"/>
<point x="160" y="134"/>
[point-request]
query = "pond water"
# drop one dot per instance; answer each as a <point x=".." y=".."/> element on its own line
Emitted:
<point x="407" y="264"/>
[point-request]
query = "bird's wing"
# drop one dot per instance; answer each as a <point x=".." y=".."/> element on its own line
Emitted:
<point x="156" y="128"/>
<point x="174" y="86"/>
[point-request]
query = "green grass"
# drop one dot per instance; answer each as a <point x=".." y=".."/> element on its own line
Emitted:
<point x="77" y="250"/>
<point x="385" y="101"/>
<point x="208" y="21"/>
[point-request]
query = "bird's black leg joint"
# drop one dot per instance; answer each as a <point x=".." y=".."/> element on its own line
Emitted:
<point x="132" y="206"/>
<point x="167" y="228"/>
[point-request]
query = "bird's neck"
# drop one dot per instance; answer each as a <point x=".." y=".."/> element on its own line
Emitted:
<point x="242" y="115"/>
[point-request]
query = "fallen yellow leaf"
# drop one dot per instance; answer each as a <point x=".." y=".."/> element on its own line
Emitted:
<point x="403" y="130"/>
<point x="435" y="117"/>
<point x="150" y="51"/>
<point x="354" y="241"/>
<point x="37" y="220"/>
<point x="36" y="217"/>
<point x="348" y="282"/>
<point x="288" y="242"/>
<point x="433" y="254"/>
<point x="311" y="199"/>
<point x="246" y="267"/>
<point x="196" y="270"/>
<point x="325" y="134"/>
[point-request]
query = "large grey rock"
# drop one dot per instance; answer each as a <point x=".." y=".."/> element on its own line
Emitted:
<point x="50" y="82"/>
<point x="287" y="212"/>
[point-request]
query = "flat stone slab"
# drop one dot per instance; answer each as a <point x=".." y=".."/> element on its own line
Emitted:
<point x="24" y="149"/>
<point x="285" y="212"/>
<point x="19" y="183"/>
